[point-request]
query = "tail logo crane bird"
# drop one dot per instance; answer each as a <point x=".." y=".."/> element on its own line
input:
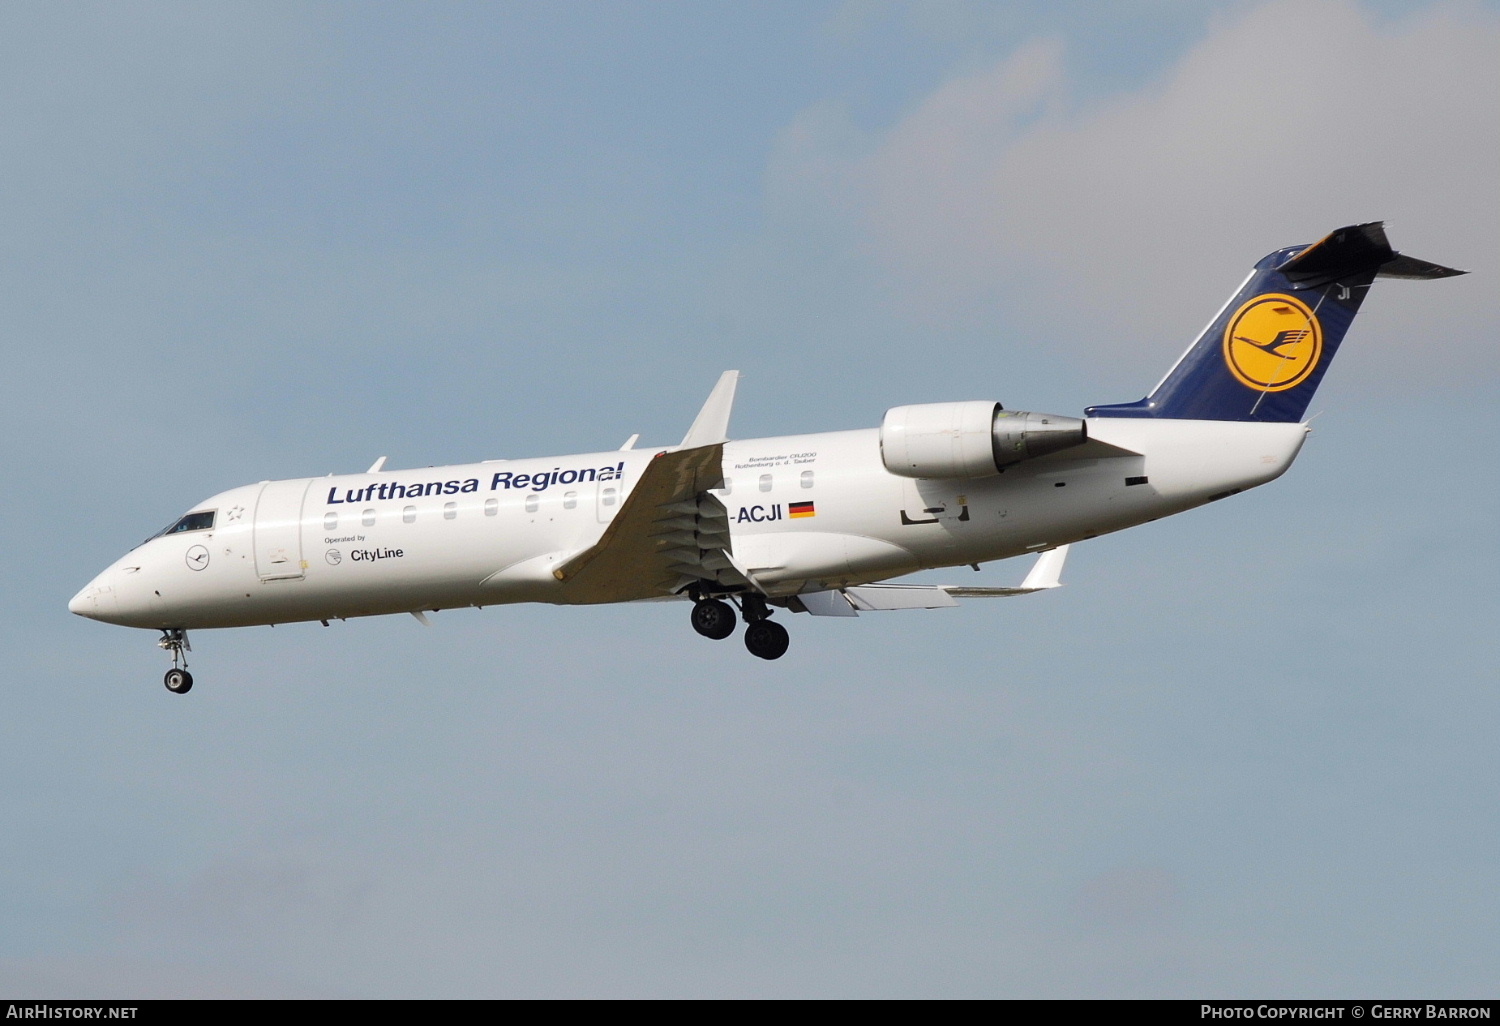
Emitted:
<point x="1273" y="343"/>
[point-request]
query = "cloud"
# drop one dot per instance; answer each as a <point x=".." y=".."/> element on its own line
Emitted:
<point x="1124" y="222"/>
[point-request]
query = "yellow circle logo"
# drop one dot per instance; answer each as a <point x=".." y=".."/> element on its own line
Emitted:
<point x="1273" y="343"/>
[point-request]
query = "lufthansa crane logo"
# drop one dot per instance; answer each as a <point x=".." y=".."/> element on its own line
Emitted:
<point x="1273" y="343"/>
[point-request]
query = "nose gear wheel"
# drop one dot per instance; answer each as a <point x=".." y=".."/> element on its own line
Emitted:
<point x="177" y="680"/>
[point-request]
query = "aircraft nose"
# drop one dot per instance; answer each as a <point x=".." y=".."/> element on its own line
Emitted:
<point x="96" y="600"/>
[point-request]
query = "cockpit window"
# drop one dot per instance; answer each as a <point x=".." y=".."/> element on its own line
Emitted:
<point x="203" y="521"/>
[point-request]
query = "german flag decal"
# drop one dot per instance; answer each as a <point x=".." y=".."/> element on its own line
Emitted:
<point x="800" y="509"/>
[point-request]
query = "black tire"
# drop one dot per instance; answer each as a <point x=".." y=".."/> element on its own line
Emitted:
<point x="179" y="682"/>
<point x="767" y="639"/>
<point x="713" y="619"/>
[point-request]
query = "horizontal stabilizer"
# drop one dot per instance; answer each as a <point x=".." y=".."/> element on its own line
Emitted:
<point x="1415" y="270"/>
<point x="1345" y="251"/>
<point x="1358" y="249"/>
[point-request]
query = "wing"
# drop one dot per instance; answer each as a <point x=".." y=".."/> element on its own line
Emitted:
<point x="1045" y="575"/>
<point x="668" y="533"/>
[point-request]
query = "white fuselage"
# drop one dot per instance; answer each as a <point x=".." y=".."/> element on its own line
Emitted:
<point x="489" y="533"/>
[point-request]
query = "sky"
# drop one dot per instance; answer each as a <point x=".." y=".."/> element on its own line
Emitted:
<point x="1246" y="751"/>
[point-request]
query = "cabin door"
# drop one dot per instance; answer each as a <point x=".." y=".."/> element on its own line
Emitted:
<point x="278" y="530"/>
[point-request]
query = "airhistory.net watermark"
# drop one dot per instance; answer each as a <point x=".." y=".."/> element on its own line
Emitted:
<point x="48" y="1010"/>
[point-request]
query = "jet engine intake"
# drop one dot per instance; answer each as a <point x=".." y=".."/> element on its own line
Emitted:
<point x="970" y="439"/>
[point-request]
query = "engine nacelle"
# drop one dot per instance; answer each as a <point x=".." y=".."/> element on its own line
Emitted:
<point x="974" y="439"/>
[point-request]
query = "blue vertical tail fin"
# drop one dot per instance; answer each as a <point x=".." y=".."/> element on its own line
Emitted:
<point x="1263" y="355"/>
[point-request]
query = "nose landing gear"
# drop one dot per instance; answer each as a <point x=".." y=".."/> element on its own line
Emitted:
<point x="177" y="680"/>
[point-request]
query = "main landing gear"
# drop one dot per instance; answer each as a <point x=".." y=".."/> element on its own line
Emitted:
<point x="177" y="680"/>
<point x="766" y="639"/>
<point x="714" y="618"/>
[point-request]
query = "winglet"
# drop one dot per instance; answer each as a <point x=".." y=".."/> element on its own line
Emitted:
<point x="712" y="424"/>
<point x="375" y="467"/>
<point x="1047" y="573"/>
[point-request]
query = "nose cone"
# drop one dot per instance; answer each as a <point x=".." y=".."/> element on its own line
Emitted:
<point x="97" y="599"/>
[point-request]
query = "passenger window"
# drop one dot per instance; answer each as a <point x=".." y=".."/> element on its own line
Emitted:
<point x="450" y="510"/>
<point x="491" y="507"/>
<point x="765" y="482"/>
<point x="409" y="515"/>
<point x="570" y="500"/>
<point x="368" y="518"/>
<point x="607" y="497"/>
<point x="807" y="479"/>
<point x="531" y="503"/>
<point x="330" y="521"/>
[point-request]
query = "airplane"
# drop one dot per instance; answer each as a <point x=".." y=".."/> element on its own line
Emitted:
<point x="811" y="523"/>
